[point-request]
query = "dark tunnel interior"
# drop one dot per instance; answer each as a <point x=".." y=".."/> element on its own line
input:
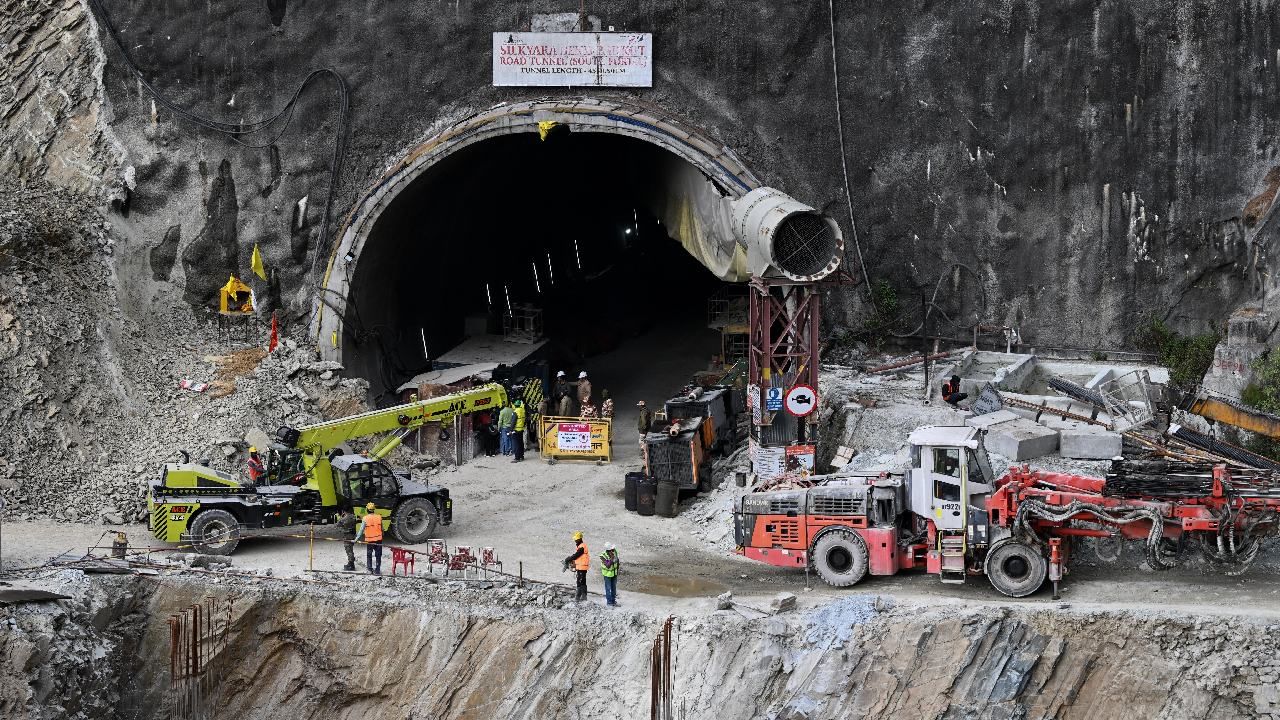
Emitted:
<point x="563" y="224"/>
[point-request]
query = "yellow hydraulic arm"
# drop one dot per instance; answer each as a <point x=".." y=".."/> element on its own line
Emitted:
<point x="1241" y="416"/>
<point x="398" y="421"/>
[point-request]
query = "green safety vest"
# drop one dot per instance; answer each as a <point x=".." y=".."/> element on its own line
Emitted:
<point x="608" y="571"/>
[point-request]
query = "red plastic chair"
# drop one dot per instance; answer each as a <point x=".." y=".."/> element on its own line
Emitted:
<point x="400" y="556"/>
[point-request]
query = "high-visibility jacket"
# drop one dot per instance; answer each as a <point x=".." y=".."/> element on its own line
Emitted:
<point x="948" y="390"/>
<point x="256" y="468"/>
<point x="520" y="419"/>
<point x="373" y="527"/>
<point x="583" y="561"/>
<point x="608" y="565"/>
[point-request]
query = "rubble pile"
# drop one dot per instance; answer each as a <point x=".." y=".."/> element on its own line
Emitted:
<point x="93" y="402"/>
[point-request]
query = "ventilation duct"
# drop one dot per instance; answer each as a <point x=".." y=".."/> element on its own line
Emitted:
<point x="783" y="235"/>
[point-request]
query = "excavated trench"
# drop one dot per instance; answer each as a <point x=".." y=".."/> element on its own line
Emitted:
<point x="439" y="651"/>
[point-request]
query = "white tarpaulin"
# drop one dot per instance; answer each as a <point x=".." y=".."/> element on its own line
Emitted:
<point x="578" y="59"/>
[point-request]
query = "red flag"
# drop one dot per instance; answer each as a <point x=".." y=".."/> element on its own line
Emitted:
<point x="275" y="334"/>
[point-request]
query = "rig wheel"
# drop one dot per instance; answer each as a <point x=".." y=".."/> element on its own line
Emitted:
<point x="840" y="556"/>
<point x="1015" y="568"/>
<point x="214" y="532"/>
<point x="414" y="520"/>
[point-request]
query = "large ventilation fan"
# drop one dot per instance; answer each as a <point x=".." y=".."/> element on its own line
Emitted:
<point x="783" y="235"/>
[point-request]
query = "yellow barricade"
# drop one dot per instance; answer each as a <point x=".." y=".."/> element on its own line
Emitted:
<point x="571" y="438"/>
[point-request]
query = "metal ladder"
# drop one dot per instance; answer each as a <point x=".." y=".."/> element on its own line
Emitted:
<point x="952" y="545"/>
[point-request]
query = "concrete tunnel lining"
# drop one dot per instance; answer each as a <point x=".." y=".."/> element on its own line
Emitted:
<point x="700" y="218"/>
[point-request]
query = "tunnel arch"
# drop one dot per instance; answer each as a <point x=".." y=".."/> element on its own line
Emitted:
<point x="706" y="226"/>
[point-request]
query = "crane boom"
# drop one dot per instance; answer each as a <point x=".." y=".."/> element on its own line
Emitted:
<point x="397" y="420"/>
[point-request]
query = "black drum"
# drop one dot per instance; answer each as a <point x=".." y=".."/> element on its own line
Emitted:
<point x="646" y="488"/>
<point x="667" y="499"/>
<point x="631" y="490"/>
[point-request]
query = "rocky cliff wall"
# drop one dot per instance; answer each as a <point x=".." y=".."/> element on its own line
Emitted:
<point x="444" y="652"/>
<point x="1089" y="163"/>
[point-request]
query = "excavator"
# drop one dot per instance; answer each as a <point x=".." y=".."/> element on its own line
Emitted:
<point x="310" y="479"/>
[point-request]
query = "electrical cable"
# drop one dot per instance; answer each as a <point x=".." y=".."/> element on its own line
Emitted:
<point x="934" y="307"/>
<point x="844" y="165"/>
<point x="234" y="131"/>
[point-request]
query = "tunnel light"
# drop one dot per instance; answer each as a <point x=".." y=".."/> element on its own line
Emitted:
<point x="628" y="231"/>
<point x="488" y="295"/>
<point x="577" y="256"/>
<point x="425" y="355"/>
<point x="536" y="285"/>
<point x="551" y="273"/>
<point x="507" y="290"/>
<point x="635" y="216"/>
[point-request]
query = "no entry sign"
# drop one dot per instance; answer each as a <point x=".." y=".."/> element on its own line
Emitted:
<point x="801" y="400"/>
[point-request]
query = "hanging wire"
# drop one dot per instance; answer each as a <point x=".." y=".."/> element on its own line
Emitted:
<point x="235" y="131"/>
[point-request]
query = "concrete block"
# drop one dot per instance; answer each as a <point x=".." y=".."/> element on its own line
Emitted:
<point x="982" y="422"/>
<point x="1089" y="442"/>
<point x="1020" y="439"/>
<point x="1103" y="375"/>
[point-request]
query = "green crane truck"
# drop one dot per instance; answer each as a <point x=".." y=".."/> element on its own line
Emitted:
<point x="310" y="480"/>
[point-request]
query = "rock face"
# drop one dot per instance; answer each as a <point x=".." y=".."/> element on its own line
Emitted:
<point x="1068" y="171"/>
<point x="461" y="653"/>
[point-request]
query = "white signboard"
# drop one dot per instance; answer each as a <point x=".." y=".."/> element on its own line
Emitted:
<point x="573" y="436"/>
<point x="579" y="59"/>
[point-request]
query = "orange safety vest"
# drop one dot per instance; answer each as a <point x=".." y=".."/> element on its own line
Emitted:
<point x="373" y="527"/>
<point x="256" y="468"/>
<point x="583" y="562"/>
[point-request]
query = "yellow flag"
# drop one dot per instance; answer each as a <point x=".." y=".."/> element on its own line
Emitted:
<point x="544" y="127"/>
<point x="256" y="263"/>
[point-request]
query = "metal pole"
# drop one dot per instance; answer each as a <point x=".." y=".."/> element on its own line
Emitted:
<point x="311" y="551"/>
<point x="924" y="342"/>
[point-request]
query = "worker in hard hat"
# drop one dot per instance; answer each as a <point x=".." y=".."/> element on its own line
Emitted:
<point x="580" y="561"/>
<point x="561" y="395"/>
<point x="371" y="529"/>
<point x="584" y="388"/>
<point x="257" y="470"/>
<point x="609" y="565"/>
<point x="517" y="432"/>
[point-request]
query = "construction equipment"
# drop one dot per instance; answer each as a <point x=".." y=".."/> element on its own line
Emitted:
<point x="679" y="451"/>
<point x="1216" y="408"/>
<point x="948" y="514"/>
<point x="713" y="404"/>
<point x="310" y="480"/>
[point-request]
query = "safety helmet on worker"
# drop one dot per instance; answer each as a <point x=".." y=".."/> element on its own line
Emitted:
<point x="582" y="374"/>
<point x="559" y="373"/>
<point x="609" y="546"/>
<point x="577" y="535"/>
<point x="370" y="507"/>
<point x="253" y="450"/>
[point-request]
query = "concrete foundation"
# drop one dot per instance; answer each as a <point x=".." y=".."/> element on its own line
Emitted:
<point x="1020" y="440"/>
<point x="1089" y="442"/>
<point x="985" y="422"/>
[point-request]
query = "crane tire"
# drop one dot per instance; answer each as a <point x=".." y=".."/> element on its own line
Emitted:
<point x="414" y="520"/>
<point x="214" y="532"/>
<point x="1015" y="568"/>
<point x="840" y="557"/>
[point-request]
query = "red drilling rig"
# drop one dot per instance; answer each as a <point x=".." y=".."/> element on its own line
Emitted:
<point x="948" y="514"/>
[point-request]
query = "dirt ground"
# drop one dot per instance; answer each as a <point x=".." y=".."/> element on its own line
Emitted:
<point x="528" y="512"/>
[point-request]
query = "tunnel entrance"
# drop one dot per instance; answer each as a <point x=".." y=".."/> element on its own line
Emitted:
<point x="568" y="223"/>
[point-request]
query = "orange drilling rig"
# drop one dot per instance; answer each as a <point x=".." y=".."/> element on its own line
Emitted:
<point x="948" y="514"/>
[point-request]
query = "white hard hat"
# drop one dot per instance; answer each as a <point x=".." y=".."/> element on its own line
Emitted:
<point x="609" y="546"/>
<point x="582" y="374"/>
<point x="560" y="374"/>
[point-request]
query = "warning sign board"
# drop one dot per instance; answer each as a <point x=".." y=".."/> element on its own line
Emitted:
<point x="573" y="436"/>
<point x="753" y="403"/>
<point x="801" y="400"/>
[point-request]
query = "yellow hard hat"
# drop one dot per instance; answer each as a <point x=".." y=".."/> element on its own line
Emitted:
<point x="370" y="507"/>
<point x="577" y="535"/>
<point x="253" y="449"/>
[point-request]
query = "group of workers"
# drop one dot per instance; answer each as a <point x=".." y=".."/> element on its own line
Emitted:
<point x="580" y="562"/>
<point x="369" y="530"/>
